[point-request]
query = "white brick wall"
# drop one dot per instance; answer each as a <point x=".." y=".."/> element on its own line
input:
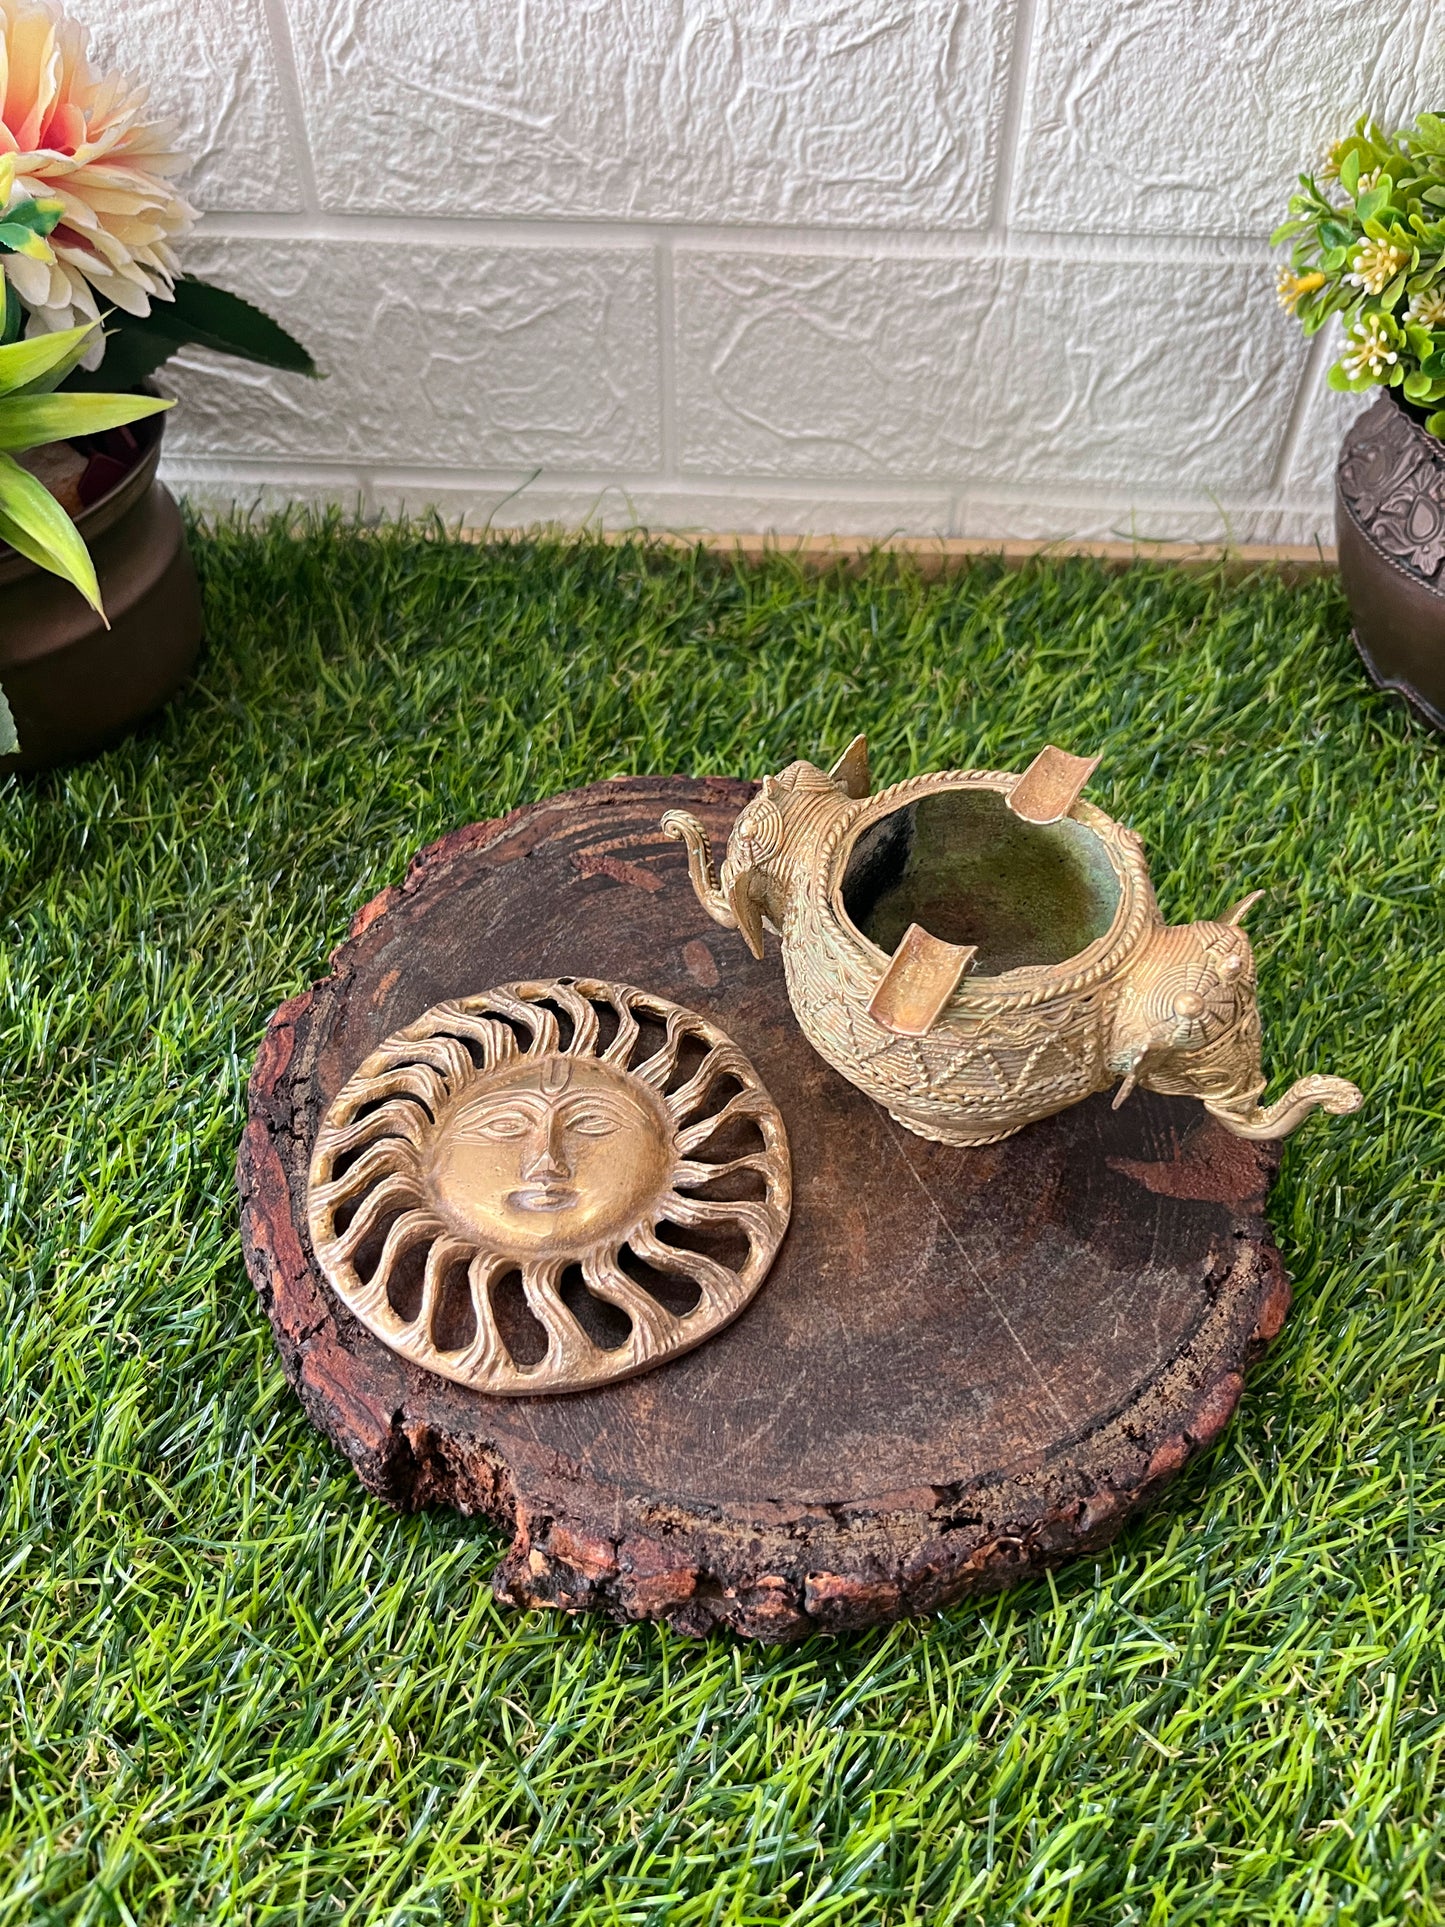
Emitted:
<point x="975" y="267"/>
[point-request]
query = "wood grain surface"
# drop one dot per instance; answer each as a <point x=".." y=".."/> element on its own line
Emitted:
<point x="965" y="1365"/>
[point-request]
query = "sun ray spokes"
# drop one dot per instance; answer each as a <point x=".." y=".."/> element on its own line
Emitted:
<point x="433" y="1183"/>
<point x="657" y="1071"/>
<point x="413" y="1227"/>
<point x="724" y="1291"/>
<point x="398" y="1192"/>
<point x="653" y="1325"/>
<point x="392" y="1119"/>
<point x="754" y="1218"/>
<point x="395" y="1077"/>
<point x="750" y="1103"/>
<point x="696" y="1171"/>
<point x="391" y="1156"/>
<point x="723" y="1060"/>
<point x="497" y="1042"/>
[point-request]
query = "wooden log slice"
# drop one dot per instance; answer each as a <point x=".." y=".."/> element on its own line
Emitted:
<point x="965" y="1365"/>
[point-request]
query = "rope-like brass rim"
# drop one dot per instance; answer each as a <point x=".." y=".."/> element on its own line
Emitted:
<point x="1030" y="984"/>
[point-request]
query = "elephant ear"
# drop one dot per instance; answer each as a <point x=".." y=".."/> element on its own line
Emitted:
<point x="850" y="772"/>
<point x="1237" y="913"/>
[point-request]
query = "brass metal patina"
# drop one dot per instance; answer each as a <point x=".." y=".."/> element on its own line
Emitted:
<point x="497" y="1191"/>
<point x="977" y="949"/>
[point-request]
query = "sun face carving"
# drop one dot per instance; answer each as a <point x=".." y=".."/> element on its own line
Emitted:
<point x="553" y="1155"/>
<point x="549" y="1186"/>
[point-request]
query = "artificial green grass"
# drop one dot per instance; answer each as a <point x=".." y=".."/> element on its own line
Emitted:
<point x="238" y="1689"/>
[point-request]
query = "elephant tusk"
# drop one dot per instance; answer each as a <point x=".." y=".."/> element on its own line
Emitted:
<point x="745" y="913"/>
<point x="1126" y="1087"/>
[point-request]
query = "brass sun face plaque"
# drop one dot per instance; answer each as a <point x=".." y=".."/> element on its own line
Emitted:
<point x="549" y="1186"/>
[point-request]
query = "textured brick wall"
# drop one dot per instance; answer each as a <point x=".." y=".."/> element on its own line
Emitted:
<point x="856" y="266"/>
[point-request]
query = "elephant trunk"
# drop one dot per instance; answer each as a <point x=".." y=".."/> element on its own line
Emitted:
<point x="683" y="827"/>
<point x="1246" y="1117"/>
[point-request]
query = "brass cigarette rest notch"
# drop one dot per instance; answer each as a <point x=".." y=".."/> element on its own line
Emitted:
<point x="976" y="949"/>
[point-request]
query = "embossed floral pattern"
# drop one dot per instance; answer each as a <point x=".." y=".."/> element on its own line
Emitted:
<point x="1392" y="478"/>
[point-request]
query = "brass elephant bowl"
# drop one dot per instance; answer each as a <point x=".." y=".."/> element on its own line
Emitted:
<point x="976" y="949"/>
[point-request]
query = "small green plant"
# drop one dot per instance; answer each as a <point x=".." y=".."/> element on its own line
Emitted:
<point x="88" y="221"/>
<point x="94" y="236"/>
<point x="1368" y="234"/>
<point x="31" y="520"/>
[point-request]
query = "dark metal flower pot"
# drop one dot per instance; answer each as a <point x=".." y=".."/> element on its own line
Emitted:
<point x="1390" y="529"/>
<point x="72" y="684"/>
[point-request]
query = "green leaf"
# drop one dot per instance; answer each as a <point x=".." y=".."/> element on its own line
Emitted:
<point x="1430" y="133"/>
<point x="1436" y="422"/>
<point x="16" y="238"/>
<point x="28" y="367"/>
<point x="9" y="741"/>
<point x="43" y="217"/>
<point x="1350" y="172"/>
<point x="13" y="319"/>
<point x="1396" y="288"/>
<point x="1368" y="207"/>
<point x="132" y="354"/>
<point x="207" y="317"/>
<point x="28" y="420"/>
<point x="34" y="524"/>
<point x="216" y="319"/>
<point x="1335" y="235"/>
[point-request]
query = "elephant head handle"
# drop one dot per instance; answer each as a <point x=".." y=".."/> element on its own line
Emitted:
<point x="773" y="832"/>
<point x="1186" y="1023"/>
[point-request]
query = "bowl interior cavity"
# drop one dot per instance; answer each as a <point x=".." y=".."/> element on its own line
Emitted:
<point x="959" y="862"/>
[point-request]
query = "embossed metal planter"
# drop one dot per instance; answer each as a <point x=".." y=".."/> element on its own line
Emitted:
<point x="1390" y="530"/>
<point x="976" y="950"/>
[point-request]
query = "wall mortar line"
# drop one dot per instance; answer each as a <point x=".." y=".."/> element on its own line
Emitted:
<point x="1011" y="121"/>
<point x="902" y="244"/>
<point x="1118" y="497"/>
<point x="288" y="77"/>
<point x="667" y="360"/>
